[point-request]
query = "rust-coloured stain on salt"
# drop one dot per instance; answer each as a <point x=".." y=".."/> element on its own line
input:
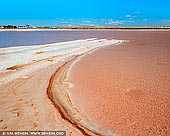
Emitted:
<point x="50" y="60"/>
<point x="45" y="46"/>
<point x="5" y="127"/>
<point x="35" y="125"/>
<point x="2" y="53"/>
<point x="39" y="52"/>
<point x="16" y="67"/>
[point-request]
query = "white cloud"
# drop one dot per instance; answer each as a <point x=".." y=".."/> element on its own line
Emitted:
<point x="87" y="21"/>
<point x="118" y="22"/>
<point x="95" y="22"/>
<point x="65" y="22"/>
<point x="128" y="16"/>
<point x="114" y="23"/>
<point x="83" y="24"/>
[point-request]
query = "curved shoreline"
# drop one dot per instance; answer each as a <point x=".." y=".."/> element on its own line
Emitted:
<point x="58" y="94"/>
<point x="20" y="82"/>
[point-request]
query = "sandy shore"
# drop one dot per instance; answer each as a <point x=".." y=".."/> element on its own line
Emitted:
<point x="33" y="90"/>
<point x="126" y="89"/>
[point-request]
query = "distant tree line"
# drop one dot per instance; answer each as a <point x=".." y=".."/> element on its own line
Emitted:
<point x="10" y="27"/>
<point x="14" y="26"/>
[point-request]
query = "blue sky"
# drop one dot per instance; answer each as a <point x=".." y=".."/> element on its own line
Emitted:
<point x="87" y="12"/>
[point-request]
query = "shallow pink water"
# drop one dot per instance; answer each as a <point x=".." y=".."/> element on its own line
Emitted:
<point x="126" y="88"/>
